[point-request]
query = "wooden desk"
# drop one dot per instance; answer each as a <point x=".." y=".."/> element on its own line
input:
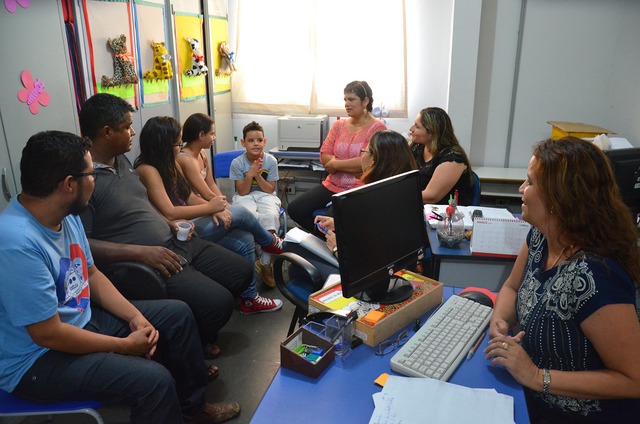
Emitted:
<point x="500" y="182"/>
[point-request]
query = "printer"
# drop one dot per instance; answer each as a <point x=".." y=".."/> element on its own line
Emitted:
<point x="302" y="132"/>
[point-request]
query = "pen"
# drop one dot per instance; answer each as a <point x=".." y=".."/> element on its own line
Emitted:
<point x="475" y="346"/>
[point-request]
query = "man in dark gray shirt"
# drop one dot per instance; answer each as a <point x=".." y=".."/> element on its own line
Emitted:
<point x="122" y="225"/>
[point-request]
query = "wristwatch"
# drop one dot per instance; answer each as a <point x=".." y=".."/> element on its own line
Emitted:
<point x="335" y="251"/>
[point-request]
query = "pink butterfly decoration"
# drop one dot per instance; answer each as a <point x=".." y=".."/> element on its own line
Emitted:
<point x="33" y="93"/>
<point x="12" y="5"/>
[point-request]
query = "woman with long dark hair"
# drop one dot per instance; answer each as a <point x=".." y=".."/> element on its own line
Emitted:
<point x="443" y="163"/>
<point x="172" y="196"/>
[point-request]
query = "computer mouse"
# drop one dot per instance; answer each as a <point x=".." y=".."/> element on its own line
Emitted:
<point x="478" y="295"/>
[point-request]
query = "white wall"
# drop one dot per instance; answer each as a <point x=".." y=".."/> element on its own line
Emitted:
<point x="429" y="27"/>
<point x="578" y="62"/>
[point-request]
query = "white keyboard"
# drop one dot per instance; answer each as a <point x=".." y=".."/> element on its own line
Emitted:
<point x="439" y="346"/>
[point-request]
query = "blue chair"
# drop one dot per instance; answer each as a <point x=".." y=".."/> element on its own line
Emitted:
<point x="222" y="166"/>
<point x="13" y="406"/>
<point x="222" y="162"/>
<point x="475" y="200"/>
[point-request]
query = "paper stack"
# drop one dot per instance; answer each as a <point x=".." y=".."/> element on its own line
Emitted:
<point x="418" y="400"/>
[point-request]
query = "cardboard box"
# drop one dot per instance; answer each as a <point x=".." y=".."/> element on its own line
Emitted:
<point x="561" y="129"/>
<point x="291" y="360"/>
<point x="427" y="294"/>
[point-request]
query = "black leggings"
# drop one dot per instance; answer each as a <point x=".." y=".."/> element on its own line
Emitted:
<point x="302" y="207"/>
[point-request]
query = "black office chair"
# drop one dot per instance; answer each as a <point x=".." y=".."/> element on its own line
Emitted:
<point x="136" y="280"/>
<point x="296" y="278"/>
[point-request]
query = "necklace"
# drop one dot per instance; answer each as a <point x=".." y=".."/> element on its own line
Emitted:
<point x="560" y="255"/>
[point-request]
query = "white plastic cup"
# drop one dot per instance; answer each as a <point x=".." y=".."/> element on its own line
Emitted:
<point x="183" y="230"/>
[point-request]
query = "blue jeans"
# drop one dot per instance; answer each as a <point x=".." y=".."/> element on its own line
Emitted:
<point x="155" y="393"/>
<point x="238" y="238"/>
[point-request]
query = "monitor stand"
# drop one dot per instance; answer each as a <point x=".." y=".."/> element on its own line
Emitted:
<point x="383" y="292"/>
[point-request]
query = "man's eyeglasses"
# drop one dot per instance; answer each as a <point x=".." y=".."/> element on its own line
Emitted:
<point x="389" y="346"/>
<point x="85" y="174"/>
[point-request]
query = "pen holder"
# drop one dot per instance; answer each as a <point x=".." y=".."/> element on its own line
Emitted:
<point x="341" y="333"/>
<point x="450" y="231"/>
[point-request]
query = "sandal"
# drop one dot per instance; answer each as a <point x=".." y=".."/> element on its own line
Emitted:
<point x="211" y="351"/>
<point x="212" y="372"/>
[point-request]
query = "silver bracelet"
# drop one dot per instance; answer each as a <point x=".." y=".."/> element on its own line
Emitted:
<point x="546" y="380"/>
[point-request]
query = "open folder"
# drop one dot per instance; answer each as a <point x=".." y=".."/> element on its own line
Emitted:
<point x="312" y="243"/>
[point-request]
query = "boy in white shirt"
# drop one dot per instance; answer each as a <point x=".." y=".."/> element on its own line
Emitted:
<point x="255" y="173"/>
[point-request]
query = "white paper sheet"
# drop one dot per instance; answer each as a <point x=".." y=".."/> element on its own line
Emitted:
<point x="407" y="400"/>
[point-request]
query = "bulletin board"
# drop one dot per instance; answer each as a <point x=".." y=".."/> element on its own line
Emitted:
<point x="189" y="25"/>
<point x="104" y="20"/>
<point x="221" y="83"/>
<point x="150" y="19"/>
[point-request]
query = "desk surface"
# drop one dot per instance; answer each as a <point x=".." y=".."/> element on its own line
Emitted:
<point x="345" y="394"/>
<point x="488" y="173"/>
<point x="282" y="154"/>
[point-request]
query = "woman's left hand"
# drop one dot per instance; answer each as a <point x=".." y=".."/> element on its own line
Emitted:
<point x="506" y="351"/>
<point x="331" y="239"/>
<point x="331" y="167"/>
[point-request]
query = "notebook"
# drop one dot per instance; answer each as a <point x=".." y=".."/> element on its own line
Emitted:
<point x="312" y="243"/>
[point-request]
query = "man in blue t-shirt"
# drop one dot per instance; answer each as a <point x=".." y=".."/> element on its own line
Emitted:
<point x="66" y="332"/>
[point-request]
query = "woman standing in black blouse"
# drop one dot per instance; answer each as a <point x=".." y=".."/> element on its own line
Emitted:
<point x="444" y="166"/>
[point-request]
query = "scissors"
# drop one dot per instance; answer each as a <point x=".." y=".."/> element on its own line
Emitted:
<point x="436" y="216"/>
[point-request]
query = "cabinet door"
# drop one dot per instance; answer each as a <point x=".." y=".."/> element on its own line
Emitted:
<point x="34" y="40"/>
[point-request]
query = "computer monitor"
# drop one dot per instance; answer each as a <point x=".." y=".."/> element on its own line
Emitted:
<point x="626" y="168"/>
<point x="380" y="229"/>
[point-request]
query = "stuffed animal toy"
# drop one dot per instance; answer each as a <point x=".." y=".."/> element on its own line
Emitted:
<point x="123" y="70"/>
<point x="197" y="59"/>
<point x="226" y="60"/>
<point x="161" y="65"/>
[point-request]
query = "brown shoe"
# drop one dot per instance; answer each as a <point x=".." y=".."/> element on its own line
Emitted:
<point x="266" y="273"/>
<point x="216" y="413"/>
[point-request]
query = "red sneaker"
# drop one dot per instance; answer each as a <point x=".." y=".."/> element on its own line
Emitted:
<point x="275" y="248"/>
<point x="259" y="304"/>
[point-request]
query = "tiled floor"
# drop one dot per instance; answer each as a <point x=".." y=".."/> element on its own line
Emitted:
<point x="250" y="358"/>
